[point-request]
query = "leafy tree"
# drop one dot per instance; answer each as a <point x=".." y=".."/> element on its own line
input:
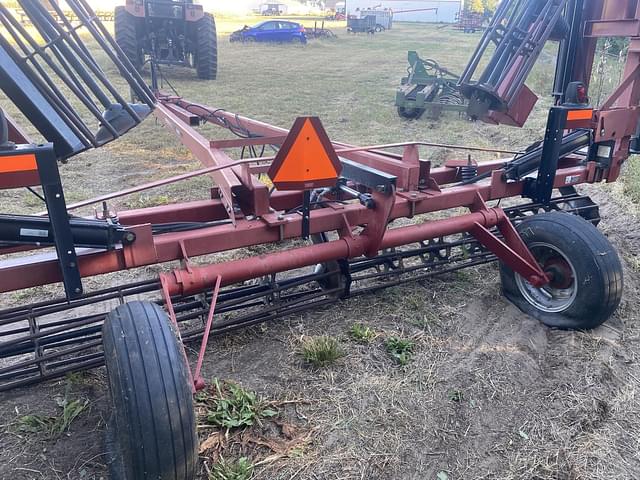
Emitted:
<point x="475" y="6"/>
<point x="489" y="7"/>
<point x="616" y="45"/>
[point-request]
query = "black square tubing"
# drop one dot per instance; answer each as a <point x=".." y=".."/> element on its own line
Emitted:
<point x="59" y="218"/>
<point x="551" y="147"/>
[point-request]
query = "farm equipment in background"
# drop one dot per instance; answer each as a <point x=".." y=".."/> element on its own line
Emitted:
<point x="273" y="9"/>
<point x="104" y="15"/>
<point x="468" y="21"/>
<point x="168" y="32"/>
<point x="383" y="18"/>
<point x="319" y="32"/>
<point x="340" y="12"/>
<point x="361" y="24"/>
<point x="335" y="16"/>
<point x="341" y="199"/>
<point x="428" y="87"/>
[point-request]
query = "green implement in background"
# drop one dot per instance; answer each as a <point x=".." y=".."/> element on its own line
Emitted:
<point x="428" y="87"/>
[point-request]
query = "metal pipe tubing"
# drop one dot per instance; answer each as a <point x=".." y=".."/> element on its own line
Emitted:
<point x="196" y="279"/>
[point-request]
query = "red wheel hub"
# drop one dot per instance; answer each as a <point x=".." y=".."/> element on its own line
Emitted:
<point x="559" y="272"/>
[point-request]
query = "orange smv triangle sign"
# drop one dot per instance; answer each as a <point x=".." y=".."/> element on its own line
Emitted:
<point x="306" y="159"/>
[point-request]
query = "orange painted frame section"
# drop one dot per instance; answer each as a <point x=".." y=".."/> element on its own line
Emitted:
<point x="18" y="163"/>
<point x="581" y="114"/>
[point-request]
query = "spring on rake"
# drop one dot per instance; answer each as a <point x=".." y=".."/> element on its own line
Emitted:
<point x="469" y="171"/>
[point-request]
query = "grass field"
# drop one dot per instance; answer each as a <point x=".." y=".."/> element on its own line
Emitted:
<point x="441" y="379"/>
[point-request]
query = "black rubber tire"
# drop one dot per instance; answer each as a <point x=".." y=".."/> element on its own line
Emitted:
<point x="112" y="456"/>
<point x="598" y="272"/>
<point x="152" y="431"/>
<point x="206" y="44"/>
<point x="410" y="113"/>
<point x="126" y="38"/>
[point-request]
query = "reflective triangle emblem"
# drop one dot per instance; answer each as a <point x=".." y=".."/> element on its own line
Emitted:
<point x="306" y="159"/>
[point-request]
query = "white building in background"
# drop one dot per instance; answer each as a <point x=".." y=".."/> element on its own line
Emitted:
<point x="244" y="7"/>
<point x="412" y="10"/>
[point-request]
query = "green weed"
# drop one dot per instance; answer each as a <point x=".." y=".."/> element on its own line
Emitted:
<point x="231" y="406"/>
<point x="456" y="395"/>
<point x="321" y="351"/>
<point x="399" y="348"/>
<point x="362" y="333"/>
<point x="242" y="469"/>
<point x="55" y="425"/>
<point x="76" y="378"/>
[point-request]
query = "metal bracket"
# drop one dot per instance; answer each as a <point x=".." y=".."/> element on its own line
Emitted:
<point x="198" y="381"/>
<point x="510" y="249"/>
<point x="59" y="219"/>
<point x="369" y="177"/>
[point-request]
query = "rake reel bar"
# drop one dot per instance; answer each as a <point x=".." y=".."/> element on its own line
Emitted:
<point x="49" y="72"/>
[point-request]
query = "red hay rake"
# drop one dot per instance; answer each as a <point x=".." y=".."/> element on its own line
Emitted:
<point x="554" y="263"/>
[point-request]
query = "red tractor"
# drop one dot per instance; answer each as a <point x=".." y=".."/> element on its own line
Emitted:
<point x="168" y="32"/>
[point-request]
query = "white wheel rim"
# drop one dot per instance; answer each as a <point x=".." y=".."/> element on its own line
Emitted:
<point x="549" y="298"/>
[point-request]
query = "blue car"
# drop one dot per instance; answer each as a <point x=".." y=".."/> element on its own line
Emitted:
<point x="271" y="31"/>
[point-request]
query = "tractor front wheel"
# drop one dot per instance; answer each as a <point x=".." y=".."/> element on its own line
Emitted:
<point x="126" y="37"/>
<point x="410" y="112"/>
<point x="152" y="431"/>
<point x="584" y="268"/>
<point x="206" y="45"/>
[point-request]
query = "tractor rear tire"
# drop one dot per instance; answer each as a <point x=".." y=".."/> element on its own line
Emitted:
<point x="152" y="431"/>
<point x="586" y="274"/>
<point x="126" y="37"/>
<point x="206" y="53"/>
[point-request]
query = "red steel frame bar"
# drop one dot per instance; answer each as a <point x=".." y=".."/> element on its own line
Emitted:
<point x="41" y="269"/>
<point x="191" y="280"/>
<point x="272" y="227"/>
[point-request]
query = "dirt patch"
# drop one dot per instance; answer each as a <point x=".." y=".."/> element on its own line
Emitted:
<point x="34" y="453"/>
